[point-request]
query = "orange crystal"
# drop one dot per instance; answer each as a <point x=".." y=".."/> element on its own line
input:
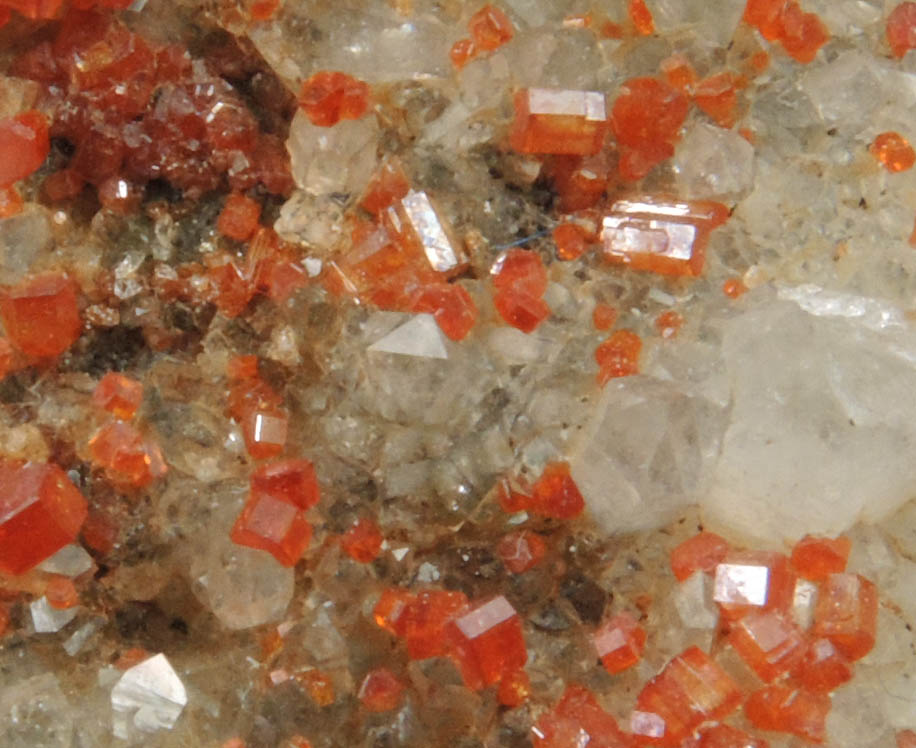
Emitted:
<point x="717" y="97"/>
<point x="785" y="709"/>
<point x="118" y="394"/>
<point x="239" y="217"/>
<point x="41" y="511"/>
<point x="678" y="72"/>
<point x="801" y="34"/>
<point x="579" y="181"/>
<point x="641" y="17"/>
<point x="815" y="557"/>
<point x="618" y="356"/>
<point x="264" y="423"/>
<point x="555" y="494"/>
<point x="893" y="151"/>
<point x="901" y="29"/>
<point x="570" y="241"/>
<point x="769" y="643"/>
<point x="381" y="691"/>
<point x="40" y="315"/>
<point x="604" y="316"/>
<point x="487" y="642"/>
<point x="274" y="525"/>
<point x="388" y="185"/>
<point x="823" y="667"/>
<point x="753" y="580"/>
<point x="733" y="288"/>
<point x="61" y="592"/>
<point x="561" y="121"/>
<point x="424" y="619"/>
<point x="847" y="614"/>
<point x="490" y="28"/>
<point x="128" y="459"/>
<point x="578" y="720"/>
<point x="660" y="235"/>
<point x="521" y="550"/>
<point x="690" y="690"/>
<point x="451" y="306"/>
<point x="293" y="481"/>
<point x="514" y="689"/>
<point x="668" y="323"/>
<point x="24" y="144"/>
<point x="388" y="612"/>
<point x="318" y="686"/>
<point x="362" y="541"/>
<point x="10" y="202"/>
<point x="462" y="52"/>
<point x="619" y="643"/>
<point x="702" y="552"/>
<point x="906" y="739"/>
<point x="724" y="736"/>
<point x="329" y="96"/>
<point x="512" y="497"/>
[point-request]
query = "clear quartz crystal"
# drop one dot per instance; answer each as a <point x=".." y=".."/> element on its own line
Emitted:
<point x="47" y="619"/>
<point x="148" y="697"/>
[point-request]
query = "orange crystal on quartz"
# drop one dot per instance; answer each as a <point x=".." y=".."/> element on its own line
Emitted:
<point x="24" y="144"/>
<point x="41" y="511"/>
<point x="118" y="394"/>
<point x="823" y="667"/>
<point x="561" y="121"/>
<point x="264" y="422"/>
<point x="724" y="736"/>
<point x="61" y="593"/>
<point x="40" y="315"/>
<point x="619" y="642"/>
<point x="815" y="557"/>
<point x="381" y="691"/>
<point x="847" y="614"/>
<point x="239" y="217"/>
<point x="362" y="541"/>
<point x="578" y="720"/>
<point x="570" y="240"/>
<point x="702" y="552"/>
<point x="668" y="323"/>
<point x="717" y="97"/>
<point x="330" y="96"/>
<point x="555" y="494"/>
<point x="790" y="710"/>
<point x="901" y="29"/>
<point x="128" y="459"/>
<point x="424" y="620"/>
<point x="660" y="235"/>
<point x="641" y="17"/>
<point x="521" y="550"/>
<point x="490" y="28"/>
<point x="893" y="151"/>
<point x="690" y="690"/>
<point x="801" y="34"/>
<point x="451" y="306"/>
<point x="271" y="523"/>
<point x="462" y="52"/>
<point x="486" y="642"/>
<point x="520" y="279"/>
<point x="769" y="643"/>
<point x="292" y="480"/>
<point x="604" y="316"/>
<point x="746" y="581"/>
<point x="618" y="356"/>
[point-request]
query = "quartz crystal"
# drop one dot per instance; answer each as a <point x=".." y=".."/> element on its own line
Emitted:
<point x="149" y="697"/>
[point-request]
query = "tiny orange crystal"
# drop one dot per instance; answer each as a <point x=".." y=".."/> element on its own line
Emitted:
<point x="619" y="643"/>
<point x="118" y="394"/>
<point x="462" y="52"/>
<point x="381" y="691"/>
<point x="702" y="552"/>
<point x="490" y="28"/>
<point x="559" y="121"/>
<point x="901" y="29"/>
<point x="893" y="151"/>
<point x="24" y="144"/>
<point x="329" y="96"/>
<point x="362" y="541"/>
<point x="618" y="356"/>
<point x="40" y="315"/>
<point x="570" y="241"/>
<point x="604" y="316"/>
<point x="641" y="17"/>
<point x="784" y="709"/>
<point x="239" y="217"/>
<point x="815" y="558"/>
<point x="521" y="550"/>
<point x="555" y="493"/>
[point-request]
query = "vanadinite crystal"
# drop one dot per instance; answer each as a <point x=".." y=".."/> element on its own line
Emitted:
<point x="41" y="511"/>
<point x="558" y="121"/>
<point x="619" y="642"/>
<point x="893" y="151"/>
<point x="702" y="552"/>
<point x="847" y="614"/>
<point x="578" y="720"/>
<point x="791" y="710"/>
<point x="118" y="394"/>
<point x="362" y="541"/>
<point x="272" y="524"/>
<point x="127" y="457"/>
<point x="381" y="691"/>
<point x="329" y="96"/>
<point x="901" y="29"/>
<point x="40" y="315"/>
<point x="555" y="493"/>
<point x="490" y="28"/>
<point x="521" y="550"/>
<point x="769" y="643"/>
<point x="24" y="145"/>
<point x="487" y="642"/>
<point x="663" y="236"/>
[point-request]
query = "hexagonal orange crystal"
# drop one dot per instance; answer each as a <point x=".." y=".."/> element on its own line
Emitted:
<point x="847" y="614"/>
<point x="561" y="121"/>
<point x="576" y="720"/>
<point x="40" y="315"/>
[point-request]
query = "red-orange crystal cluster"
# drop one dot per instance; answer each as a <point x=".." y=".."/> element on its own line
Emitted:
<point x="578" y="720"/>
<point x="273" y="518"/>
<point x="258" y="409"/>
<point x="24" y="145"/>
<point x="41" y="511"/>
<point x="136" y="112"/>
<point x="558" y="121"/>
<point x="41" y="315"/>
<point x="119" y="395"/>
<point x="800" y="34"/>
<point x="329" y="96"/>
<point x="490" y="28"/>
<point x="520" y="280"/>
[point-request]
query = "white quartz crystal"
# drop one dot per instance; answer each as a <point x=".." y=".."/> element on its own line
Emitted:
<point x="47" y="619"/>
<point x="149" y="697"/>
<point x="34" y="713"/>
<point x="712" y="22"/>
<point x="693" y="600"/>
<point x="712" y="162"/>
<point x="419" y="336"/>
<point x="70" y="561"/>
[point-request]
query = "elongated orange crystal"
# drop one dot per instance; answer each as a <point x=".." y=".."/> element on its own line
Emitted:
<point x="847" y="614"/>
<point x="558" y="121"/>
<point x="661" y="235"/>
<point x="901" y="29"/>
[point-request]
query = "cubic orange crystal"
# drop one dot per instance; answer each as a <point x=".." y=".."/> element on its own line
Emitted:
<point x="118" y="394"/>
<point x="690" y="690"/>
<point x="753" y="580"/>
<point x="790" y="710"/>
<point x="570" y="241"/>
<point x="521" y="550"/>
<point x="901" y="29"/>
<point x="555" y="494"/>
<point x="24" y="145"/>
<point x="702" y="552"/>
<point x="619" y="643"/>
<point x="274" y="525"/>
<point x="660" y="235"/>
<point x="578" y="720"/>
<point x="893" y="151"/>
<point x="41" y="511"/>
<point x="815" y="558"/>
<point x="522" y="270"/>
<point x="486" y="642"/>
<point x="424" y="620"/>
<point x="646" y="119"/>
<point x="239" y="217"/>
<point x="618" y="356"/>
<point x="362" y="541"/>
<point x="381" y="691"/>
<point x="823" y="667"/>
<point x="521" y="310"/>
<point x="769" y="643"/>
<point x="40" y="315"/>
<point x="293" y="481"/>
<point x="328" y="97"/>
<point x="560" y="121"/>
<point x="490" y="28"/>
<point x="847" y="614"/>
<point x="127" y="458"/>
